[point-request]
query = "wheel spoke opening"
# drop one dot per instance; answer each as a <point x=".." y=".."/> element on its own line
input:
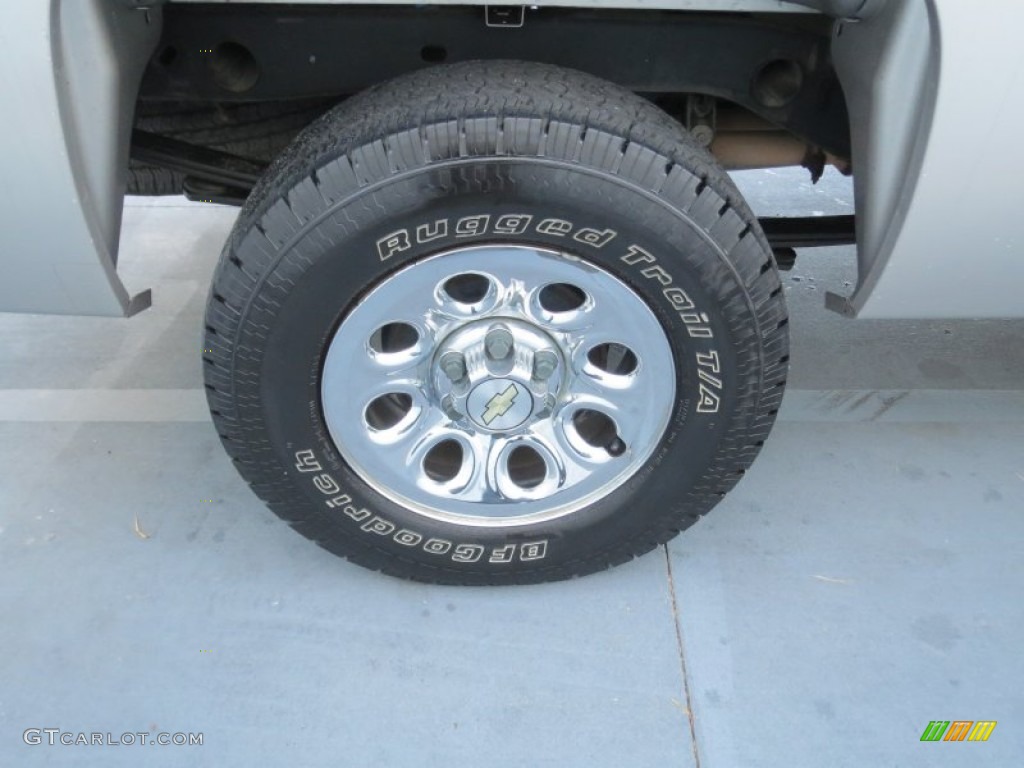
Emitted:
<point x="388" y="410"/>
<point x="526" y="468"/>
<point x="467" y="288"/>
<point x="393" y="337"/>
<point x="614" y="358"/>
<point x="598" y="430"/>
<point x="561" y="297"/>
<point x="443" y="461"/>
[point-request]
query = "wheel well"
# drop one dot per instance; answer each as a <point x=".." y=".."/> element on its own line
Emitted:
<point x="233" y="63"/>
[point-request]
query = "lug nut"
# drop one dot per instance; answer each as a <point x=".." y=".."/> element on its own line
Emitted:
<point x="547" y="408"/>
<point x="498" y="343"/>
<point x="448" y="406"/>
<point x="544" y="364"/>
<point x="454" y="366"/>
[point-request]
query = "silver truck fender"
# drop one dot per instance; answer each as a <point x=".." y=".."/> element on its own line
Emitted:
<point x="933" y="90"/>
<point x="70" y="71"/>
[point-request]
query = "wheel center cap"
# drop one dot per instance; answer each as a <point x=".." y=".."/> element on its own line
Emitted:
<point x="498" y="405"/>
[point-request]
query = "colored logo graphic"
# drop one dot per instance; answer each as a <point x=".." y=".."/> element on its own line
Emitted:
<point x="500" y="404"/>
<point x="958" y="730"/>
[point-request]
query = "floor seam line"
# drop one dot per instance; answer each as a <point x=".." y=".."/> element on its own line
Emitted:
<point x="682" y="657"/>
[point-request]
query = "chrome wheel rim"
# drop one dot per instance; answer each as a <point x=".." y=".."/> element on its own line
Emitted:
<point x="498" y="385"/>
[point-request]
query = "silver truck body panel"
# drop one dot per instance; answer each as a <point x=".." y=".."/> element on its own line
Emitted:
<point x="935" y="95"/>
<point x="727" y="6"/>
<point x="933" y="89"/>
<point x="69" y="71"/>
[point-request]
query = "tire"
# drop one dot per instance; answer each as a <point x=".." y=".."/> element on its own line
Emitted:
<point x="618" y="406"/>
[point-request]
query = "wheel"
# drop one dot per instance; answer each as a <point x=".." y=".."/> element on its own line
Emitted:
<point x="494" y="322"/>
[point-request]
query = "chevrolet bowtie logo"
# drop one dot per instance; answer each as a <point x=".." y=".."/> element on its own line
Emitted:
<point x="499" y="404"/>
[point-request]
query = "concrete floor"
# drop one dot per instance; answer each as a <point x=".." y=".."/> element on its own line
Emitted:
<point x="863" y="579"/>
